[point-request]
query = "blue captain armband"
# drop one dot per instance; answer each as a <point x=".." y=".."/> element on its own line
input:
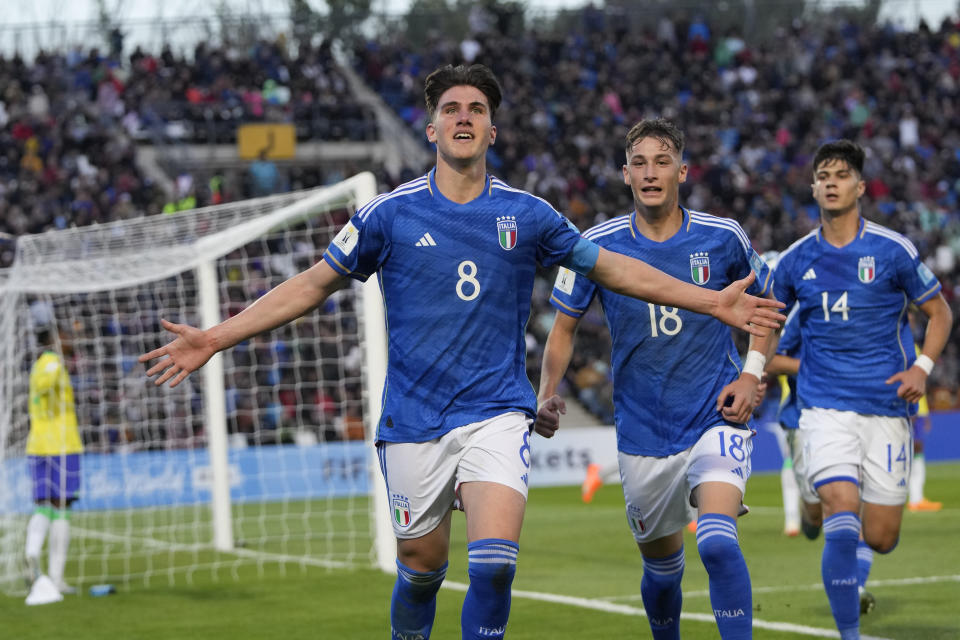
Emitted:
<point x="582" y="258"/>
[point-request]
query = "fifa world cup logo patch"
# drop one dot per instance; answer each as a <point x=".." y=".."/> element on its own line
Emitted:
<point x="507" y="231"/>
<point x="700" y="267"/>
<point x="867" y="269"/>
<point x="401" y="510"/>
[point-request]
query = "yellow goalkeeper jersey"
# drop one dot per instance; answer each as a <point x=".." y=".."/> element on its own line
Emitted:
<point x="53" y="419"/>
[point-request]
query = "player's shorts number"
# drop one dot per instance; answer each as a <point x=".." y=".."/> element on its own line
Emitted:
<point x="467" y="270"/>
<point x="525" y="450"/>
<point x="735" y="448"/>
<point x="900" y="459"/>
<point x="669" y="323"/>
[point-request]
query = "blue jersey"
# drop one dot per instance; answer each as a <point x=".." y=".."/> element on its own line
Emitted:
<point x="456" y="282"/>
<point x="669" y="364"/>
<point x="788" y="413"/>
<point x="852" y="315"/>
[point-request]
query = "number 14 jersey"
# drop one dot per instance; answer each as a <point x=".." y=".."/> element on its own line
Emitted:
<point x="852" y="315"/>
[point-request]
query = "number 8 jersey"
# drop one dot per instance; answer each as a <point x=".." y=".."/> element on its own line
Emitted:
<point x="852" y="315"/>
<point x="456" y="282"/>
<point x="669" y="364"/>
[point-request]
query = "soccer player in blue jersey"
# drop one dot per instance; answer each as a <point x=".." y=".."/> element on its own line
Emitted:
<point x="859" y="378"/>
<point x="785" y="365"/>
<point x="681" y="398"/>
<point x="455" y="251"/>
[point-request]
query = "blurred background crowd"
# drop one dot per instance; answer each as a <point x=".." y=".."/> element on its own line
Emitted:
<point x="81" y="128"/>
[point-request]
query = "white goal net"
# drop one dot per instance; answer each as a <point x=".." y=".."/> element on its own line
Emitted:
<point x="263" y="456"/>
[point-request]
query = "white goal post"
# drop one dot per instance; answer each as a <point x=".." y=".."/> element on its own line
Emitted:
<point x="265" y="455"/>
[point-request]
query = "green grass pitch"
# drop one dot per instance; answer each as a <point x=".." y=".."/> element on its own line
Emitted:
<point x="578" y="577"/>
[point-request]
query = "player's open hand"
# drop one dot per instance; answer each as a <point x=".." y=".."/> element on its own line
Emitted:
<point x="913" y="383"/>
<point x="189" y="351"/>
<point x="737" y="400"/>
<point x="548" y="416"/>
<point x="739" y="309"/>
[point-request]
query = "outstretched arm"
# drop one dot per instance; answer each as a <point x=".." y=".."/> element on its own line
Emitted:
<point x="732" y="306"/>
<point x="192" y="347"/>
<point x="781" y="364"/>
<point x="556" y="359"/>
<point x="913" y="381"/>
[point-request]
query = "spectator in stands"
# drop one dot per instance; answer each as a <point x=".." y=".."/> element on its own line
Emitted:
<point x="264" y="176"/>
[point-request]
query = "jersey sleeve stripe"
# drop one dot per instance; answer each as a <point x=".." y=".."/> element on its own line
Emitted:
<point x="342" y="270"/>
<point x="876" y="229"/>
<point x="496" y="183"/>
<point x="606" y="228"/>
<point x="723" y="223"/>
<point x="768" y="282"/>
<point x="926" y="295"/>
<point x="411" y="187"/>
<point x="571" y="311"/>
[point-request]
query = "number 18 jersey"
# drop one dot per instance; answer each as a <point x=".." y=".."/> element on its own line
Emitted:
<point x="456" y="282"/>
<point x="852" y="316"/>
<point x="669" y="364"/>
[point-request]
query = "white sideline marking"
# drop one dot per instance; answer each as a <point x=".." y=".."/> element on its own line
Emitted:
<point x="574" y="601"/>
<point x="610" y="607"/>
<point x="892" y="582"/>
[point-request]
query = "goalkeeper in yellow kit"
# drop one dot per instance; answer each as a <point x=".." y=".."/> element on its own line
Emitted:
<point x="53" y="451"/>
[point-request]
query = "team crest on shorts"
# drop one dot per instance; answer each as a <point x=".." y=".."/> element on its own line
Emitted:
<point x="867" y="269"/>
<point x="700" y="267"/>
<point x="635" y="519"/>
<point x="401" y="510"/>
<point x="507" y="231"/>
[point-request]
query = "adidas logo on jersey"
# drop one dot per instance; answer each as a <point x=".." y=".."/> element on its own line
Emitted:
<point x="810" y="274"/>
<point x="426" y="241"/>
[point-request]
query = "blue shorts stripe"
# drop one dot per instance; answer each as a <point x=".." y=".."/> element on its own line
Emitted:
<point x="820" y="483"/>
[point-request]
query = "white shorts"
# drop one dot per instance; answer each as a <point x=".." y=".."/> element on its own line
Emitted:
<point x="873" y="451"/>
<point x="795" y="440"/>
<point x="658" y="490"/>
<point x="423" y="477"/>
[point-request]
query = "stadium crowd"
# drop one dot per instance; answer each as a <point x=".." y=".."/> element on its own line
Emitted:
<point x="71" y="123"/>
<point x="754" y="112"/>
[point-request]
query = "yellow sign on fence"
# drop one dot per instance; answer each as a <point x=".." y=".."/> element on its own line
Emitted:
<point x="279" y="141"/>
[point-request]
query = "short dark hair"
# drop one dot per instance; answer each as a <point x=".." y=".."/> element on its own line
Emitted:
<point x="843" y="150"/>
<point x="659" y="128"/>
<point x="44" y="336"/>
<point x="448" y="76"/>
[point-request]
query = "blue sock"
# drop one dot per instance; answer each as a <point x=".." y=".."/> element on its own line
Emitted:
<point x="841" y="532"/>
<point x="662" y="597"/>
<point x="486" y="607"/>
<point x="730" y="593"/>
<point x="414" y="602"/>
<point x="864" y="562"/>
